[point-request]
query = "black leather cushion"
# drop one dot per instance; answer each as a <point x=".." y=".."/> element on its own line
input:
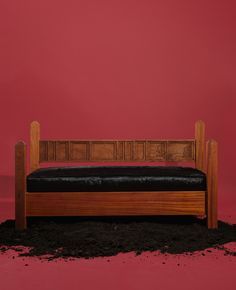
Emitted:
<point x="116" y="178"/>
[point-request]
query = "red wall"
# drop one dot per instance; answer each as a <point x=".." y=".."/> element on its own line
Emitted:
<point x="118" y="69"/>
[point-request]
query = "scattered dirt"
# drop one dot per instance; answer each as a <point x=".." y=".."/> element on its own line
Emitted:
<point x="96" y="237"/>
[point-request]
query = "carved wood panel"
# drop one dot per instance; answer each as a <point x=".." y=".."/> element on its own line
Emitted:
<point x="156" y="150"/>
<point x="117" y="150"/>
<point x="102" y="151"/>
<point x="180" y="150"/>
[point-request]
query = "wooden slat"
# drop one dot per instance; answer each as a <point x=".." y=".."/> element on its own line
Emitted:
<point x="212" y="183"/>
<point x="139" y="150"/>
<point x="115" y="203"/>
<point x="20" y="185"/>
<point x="200" y="145"/>
<point x="34" y="146"/>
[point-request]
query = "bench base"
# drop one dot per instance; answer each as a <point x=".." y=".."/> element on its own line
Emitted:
<point x="115" y="203"/>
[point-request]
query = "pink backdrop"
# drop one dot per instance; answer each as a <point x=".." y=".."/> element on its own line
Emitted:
<point x="118" y="69"/>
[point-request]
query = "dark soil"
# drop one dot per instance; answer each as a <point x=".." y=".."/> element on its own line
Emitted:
<point x="96" y="237"/>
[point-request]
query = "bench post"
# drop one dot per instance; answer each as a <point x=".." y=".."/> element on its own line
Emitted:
<point x="212" y="184"/>
<point x="200" y="145"/>
<point x="20" y="185"/>
<point x="34" y="145"/>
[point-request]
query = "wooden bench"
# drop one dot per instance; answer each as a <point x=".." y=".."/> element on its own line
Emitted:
<point x="115" y="203"/>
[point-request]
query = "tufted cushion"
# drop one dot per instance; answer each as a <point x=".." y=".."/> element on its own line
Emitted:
<point x="116" y="178"/>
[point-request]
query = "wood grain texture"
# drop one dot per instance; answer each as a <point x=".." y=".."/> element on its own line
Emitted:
<point x="20" y="185"/>
<point x="117" y="150"/>
<point x="179" y="151"/>
<point x="115" y="203"/>
<point x="212" y="183"/>
<point x="200" y="145"/>
<point x="34" y="145"/>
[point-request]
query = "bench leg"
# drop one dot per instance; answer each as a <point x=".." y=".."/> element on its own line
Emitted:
<point x="20" y="217"/>
<point x="20" y="186"/>
<point x="212" y="221"/>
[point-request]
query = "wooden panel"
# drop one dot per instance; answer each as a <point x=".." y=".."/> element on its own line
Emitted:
<point x="102" y="151"/>
<point x="34" y="145"/>
<point x="117" y="150"/>
<point x="156" y="150"/>
<point x="139" y="150"/>
<point x="62" y="151"/>
<point x="115" y="203"/>
<point x="200" y="145"/>
<point x="43" y="151"/>
<point x="20" y="185"/>
<point x="78" y="150"/>
<point x="180" y="151"/>
<point x="212" y="183"/>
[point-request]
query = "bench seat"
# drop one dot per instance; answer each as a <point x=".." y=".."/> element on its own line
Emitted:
<point x="116" y="178"/>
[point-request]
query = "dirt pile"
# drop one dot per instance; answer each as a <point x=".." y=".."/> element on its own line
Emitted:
<point x="96" y="237"/>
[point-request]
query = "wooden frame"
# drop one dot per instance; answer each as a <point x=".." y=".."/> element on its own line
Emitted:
<point x="198" y="203"/>
<point x="34" y="145"/>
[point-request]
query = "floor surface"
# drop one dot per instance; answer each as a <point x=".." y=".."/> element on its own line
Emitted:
<point x="150" y="271"/>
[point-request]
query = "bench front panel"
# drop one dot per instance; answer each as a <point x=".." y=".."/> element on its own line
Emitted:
<point x="115" y="203"/>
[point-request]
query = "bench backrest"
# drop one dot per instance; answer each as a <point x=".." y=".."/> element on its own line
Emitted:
<point x="186" y="150"/>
